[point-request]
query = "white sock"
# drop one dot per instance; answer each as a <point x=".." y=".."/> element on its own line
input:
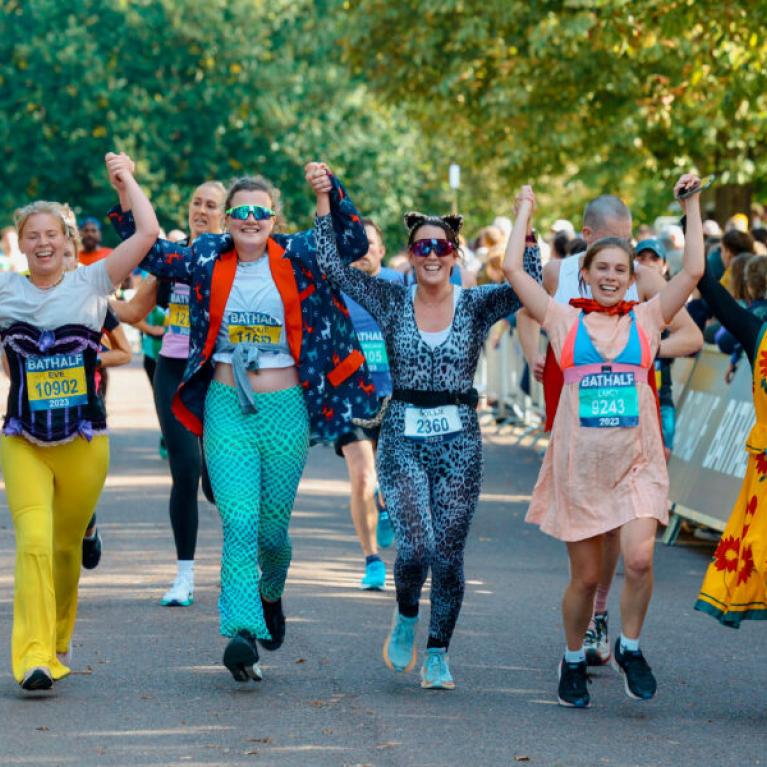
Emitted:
<point x="575" y="656"/>
<point x="186" y="568"/>
<point x="630" y="645"/>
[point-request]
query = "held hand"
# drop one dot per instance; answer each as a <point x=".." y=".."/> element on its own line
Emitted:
<point x="540" y="363"/>
<point x="318" y="175"/>
<point x="688" y="184"/>
<point x="524" y="204"/>
<point x="120" y="168"/>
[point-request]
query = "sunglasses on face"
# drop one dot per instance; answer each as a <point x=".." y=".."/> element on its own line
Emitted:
<point x="424" y="248"/>
<point x="241" y="212"/>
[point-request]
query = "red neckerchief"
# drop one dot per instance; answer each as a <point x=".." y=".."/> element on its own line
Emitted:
<point x="590" y="305"/>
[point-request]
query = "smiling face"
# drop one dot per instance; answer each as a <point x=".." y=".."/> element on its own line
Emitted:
<point x="432" y="270"/>
<point x="206" y="210"/>
<point x="609" y="275"/>
<point x="43" y="242"/>
<point x="250" y="236"/>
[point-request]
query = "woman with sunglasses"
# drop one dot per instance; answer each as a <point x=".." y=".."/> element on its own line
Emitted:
<point x="273" y="366"/>
<point x="205" y="215"/>
<point x="430" y="449"/>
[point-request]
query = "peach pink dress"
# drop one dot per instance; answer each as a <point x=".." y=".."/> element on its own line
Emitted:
<point x="596" y="479"/>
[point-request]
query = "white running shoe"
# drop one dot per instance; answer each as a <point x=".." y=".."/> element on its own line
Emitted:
<point x="596" y="643"/>
<point x="180" y="594"/>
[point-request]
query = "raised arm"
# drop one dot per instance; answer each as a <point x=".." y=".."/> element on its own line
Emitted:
<point x="529" y="290"/>
<point x="126" y="256"/>
<point x="140" y="305"/>
<point x="674" y="296"/>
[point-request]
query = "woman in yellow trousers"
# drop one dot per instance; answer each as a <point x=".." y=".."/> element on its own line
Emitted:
<point x="54" y="447"/>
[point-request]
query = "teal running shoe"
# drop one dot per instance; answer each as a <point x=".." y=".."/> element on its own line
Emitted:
<point x="384" y="529"/>
<point x="375" y="576"/>
<point x="435" y="672"/>
<point x="399" y="648"/>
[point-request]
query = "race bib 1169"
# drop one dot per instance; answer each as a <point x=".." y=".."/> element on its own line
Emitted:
<point x="253" y="328"/>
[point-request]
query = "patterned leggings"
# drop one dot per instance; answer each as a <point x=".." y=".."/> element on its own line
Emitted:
<point x="255" y="462"/>
<point x="431" y="492"/>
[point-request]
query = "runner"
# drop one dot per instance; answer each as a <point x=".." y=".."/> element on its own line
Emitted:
<point x="205" y="215"/>
<point x="430" y="449"/>
<point x="273" y="366"/>
<point x="621" y="479"/>
<point x="358" y="445"/>
<point x="733" y="589"/>
<point x="54" y="445"/>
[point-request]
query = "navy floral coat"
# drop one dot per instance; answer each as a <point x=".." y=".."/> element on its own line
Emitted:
<point x="322" y="341"/>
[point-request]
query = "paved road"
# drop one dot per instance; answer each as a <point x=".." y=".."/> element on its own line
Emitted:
<point x="149" y="688"/>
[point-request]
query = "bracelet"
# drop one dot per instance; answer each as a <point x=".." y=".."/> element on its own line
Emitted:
<point x="532" y="237"/>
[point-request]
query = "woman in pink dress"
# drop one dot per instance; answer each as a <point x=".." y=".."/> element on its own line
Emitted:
<point x="605" y="467"/>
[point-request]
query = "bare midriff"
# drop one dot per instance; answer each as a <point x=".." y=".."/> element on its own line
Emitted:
<point x="261" y="381"/>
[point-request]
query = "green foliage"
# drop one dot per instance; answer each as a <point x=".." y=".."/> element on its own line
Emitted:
<point x="581" y="96"/>
<point x="196" y="91"/>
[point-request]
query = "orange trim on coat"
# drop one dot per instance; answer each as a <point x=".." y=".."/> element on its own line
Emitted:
<point x="185" y="415"/>
<point x="285" y="280"/>
<point x="346" y="367"/>
<point x="221" y="282"/>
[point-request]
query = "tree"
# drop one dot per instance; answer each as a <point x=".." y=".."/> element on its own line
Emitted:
<point x="595" y="95"/>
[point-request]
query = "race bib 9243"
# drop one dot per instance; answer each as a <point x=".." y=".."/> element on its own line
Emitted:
<point x="608" y="399"/>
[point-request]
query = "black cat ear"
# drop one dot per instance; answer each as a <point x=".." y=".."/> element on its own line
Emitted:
<point x="413" y="219"/>
<point x="454" y="221"/>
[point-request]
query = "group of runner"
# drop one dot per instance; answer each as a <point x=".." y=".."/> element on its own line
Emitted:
<point x="275" y="342"/>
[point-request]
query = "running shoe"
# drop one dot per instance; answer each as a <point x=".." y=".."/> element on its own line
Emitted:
<point x="638" y="678"/>
<point x="241" y="657"/>
<point x="92" y="551"/>
<point x="37" y="678"/>
<point x="573" y="685"/>
<point x="162" y="450"/>
<point x="399" y="652"/>
<point x="596" y="642"/>
<point x="435" y="672"/>
<point x="180" y="594"/>
<point x="375" y="576"/>
<point x="384" y="529"/>
<point x="275" y="622"/>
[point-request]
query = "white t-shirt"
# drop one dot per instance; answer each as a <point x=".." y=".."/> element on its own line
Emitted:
<point x="80" y="299"/>
<point x="437" y="337"/>
<point x="254" y="313"/>
<point x="569" y="282"/>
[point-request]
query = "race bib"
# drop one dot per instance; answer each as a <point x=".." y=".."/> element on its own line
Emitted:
<point x="608" y="399"/>
<point x="55" y="382"/>
<point x="432" y="424"/>
<point x="374" y="349"/>
<point x="253" y="328"/>
<point x="178" y="314"/>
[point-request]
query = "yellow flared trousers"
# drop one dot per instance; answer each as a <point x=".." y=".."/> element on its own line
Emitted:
<point x="52" y="492"/>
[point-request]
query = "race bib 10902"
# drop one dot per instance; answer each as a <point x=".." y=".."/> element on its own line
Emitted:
<point x="56" y="381"/>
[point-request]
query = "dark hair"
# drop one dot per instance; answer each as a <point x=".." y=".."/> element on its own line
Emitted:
<point x="559" y="244"/>
<point x="756" y="277"/>
<point x="576" y="245"/>
<point x="451" y="225"/>
<point x="253" y="184"/>
<point x="760" y="234"/>
<point x="738" y="242"/>
<point x="600" y="245"/>
<point x="738" y="275"/>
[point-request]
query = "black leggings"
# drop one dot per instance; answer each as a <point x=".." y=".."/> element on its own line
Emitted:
<point x="183" y="456"/>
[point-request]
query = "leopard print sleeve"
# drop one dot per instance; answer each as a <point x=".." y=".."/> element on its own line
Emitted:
<point x="379" y="297"/>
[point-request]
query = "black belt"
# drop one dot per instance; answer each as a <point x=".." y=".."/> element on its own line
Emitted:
<point x="421" y="398"/>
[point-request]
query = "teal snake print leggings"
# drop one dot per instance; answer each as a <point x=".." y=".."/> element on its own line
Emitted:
<point x="255" y="461"/>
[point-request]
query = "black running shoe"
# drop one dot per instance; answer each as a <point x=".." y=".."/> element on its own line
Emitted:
<point x="92" y="551"/>
<point x="241" y="657"/>
<point x="275" y="622"/>
<point x="573" y="679"/>
<point x="638" y="678"/>
<point x="38" y="678"/>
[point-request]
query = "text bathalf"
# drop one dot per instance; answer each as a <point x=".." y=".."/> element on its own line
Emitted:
<point x="56" y="362"/>
<point x="607" y="380"/>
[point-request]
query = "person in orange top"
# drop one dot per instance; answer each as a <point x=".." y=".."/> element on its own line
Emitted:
<point x="90" y="236"/>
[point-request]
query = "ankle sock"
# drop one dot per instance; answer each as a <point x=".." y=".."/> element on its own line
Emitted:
<point x="185" y="568"/>
<point x="629" y="645"/>
<point x="575" y="656"/>
<point x="372" y="558"/>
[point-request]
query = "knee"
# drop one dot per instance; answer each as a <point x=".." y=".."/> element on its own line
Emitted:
<point x="638" y="564"/>
<point x="586" y="581"/>
<point x="363" y="480"/>
<point x="273" y="542"/>
<point x="418" y="555"/>
<point x="33" y="539"/>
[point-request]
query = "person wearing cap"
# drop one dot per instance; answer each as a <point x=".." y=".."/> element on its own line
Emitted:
<point x="90" y="236"/>
<point x="651" y="254"/>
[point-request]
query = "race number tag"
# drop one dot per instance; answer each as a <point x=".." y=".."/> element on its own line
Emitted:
<point x="253" y="328"/>
<point x="55" y="382"/>
<point x="178" y="313"/>
<point x="608" y="399"/>
<point x="374" y="349"/>
<point x="432" y="424"/>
